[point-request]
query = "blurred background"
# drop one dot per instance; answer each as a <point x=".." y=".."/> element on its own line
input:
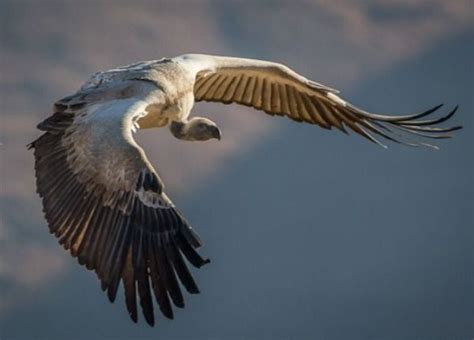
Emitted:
<point x="311" y="233"/>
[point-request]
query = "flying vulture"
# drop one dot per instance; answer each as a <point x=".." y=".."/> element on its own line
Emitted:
<point x="107" y="205"/>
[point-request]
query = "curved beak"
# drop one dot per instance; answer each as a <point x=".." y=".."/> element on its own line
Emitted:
<point x="216" y="133"/>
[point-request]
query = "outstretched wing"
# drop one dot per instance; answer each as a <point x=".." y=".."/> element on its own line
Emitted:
<point x="105" y="202"/>
<point x="277" y="90"/>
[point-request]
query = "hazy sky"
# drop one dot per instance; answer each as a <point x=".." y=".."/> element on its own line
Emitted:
<point x="312" y="234"/>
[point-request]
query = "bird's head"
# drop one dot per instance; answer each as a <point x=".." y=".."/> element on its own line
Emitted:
<point x="201" y="129"/>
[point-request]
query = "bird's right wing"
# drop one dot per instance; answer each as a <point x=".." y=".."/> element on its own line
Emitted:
<point x="278" y="90"/>
<point x="105" y="202"/>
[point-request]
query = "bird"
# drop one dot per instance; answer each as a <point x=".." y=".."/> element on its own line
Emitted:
<point x="106" y="203"/>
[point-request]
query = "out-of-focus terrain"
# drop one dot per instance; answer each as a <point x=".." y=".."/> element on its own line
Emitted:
<point x="310" y="232"/>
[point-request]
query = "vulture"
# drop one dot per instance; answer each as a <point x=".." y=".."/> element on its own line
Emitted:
<point x="105" y="202"/>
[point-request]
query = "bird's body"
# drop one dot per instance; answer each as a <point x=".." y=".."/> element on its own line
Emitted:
<point x="104" y="200"/>
<point x="170" y="98"/>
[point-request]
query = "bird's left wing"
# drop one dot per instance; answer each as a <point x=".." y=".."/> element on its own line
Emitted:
<point x="105" y="202"/>
<point x="278" y="90"/>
